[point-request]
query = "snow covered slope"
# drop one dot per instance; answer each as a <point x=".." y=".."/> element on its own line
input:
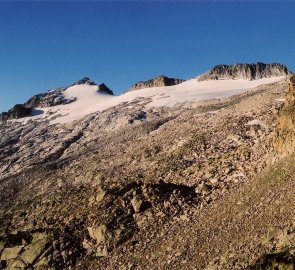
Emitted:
<point x="90" y="100"/>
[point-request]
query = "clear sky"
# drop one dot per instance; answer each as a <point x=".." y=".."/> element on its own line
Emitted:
<point x="50" y="44"/>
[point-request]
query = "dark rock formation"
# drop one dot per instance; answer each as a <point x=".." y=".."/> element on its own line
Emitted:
<point x="245" y="71"/>
<point x="51" y="98"/>
<point x="155" y="82"/>
<point x="85" y="80"/>
<point x="284" y="138"/>
<point x="102" y="88"/>
<point x="18" y="111"/>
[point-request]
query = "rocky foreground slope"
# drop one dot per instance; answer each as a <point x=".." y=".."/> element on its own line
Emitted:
<point x="138" y="187"/>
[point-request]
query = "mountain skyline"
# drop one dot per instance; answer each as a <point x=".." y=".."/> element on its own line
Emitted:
<point x="45" y="45"/>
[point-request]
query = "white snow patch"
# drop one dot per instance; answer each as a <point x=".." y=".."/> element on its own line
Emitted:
<point x="90" y="101"/>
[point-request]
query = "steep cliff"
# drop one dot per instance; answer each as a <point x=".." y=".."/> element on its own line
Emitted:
<point x="284" y="138"/>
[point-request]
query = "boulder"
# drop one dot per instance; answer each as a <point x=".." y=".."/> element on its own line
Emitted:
<point x="98" y="233"/>
<point x="100" y="195"/>
<point x="16" y="264"/>
<point x="11" y="253"/>
<point x="36" y="248"/>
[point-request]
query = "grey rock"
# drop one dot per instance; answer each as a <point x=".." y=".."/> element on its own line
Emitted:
<point x="156" y="82"/>
<point x="18" y="111"/>
<point x="11" y="253"/>
<point x="102" y="88"/>
<point x="85" y="80"/>
<point x="137" y="204"/>
<point x="245" y="71"/>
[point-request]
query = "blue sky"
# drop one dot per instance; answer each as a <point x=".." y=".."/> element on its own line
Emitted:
<point x="50" y="44"/>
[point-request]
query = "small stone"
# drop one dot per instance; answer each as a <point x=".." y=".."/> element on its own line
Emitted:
<point x="213" y="181"/>
<point x="97" y="233"/>
<point x="101" y="251"/>
<point x="136" y="203"/>
<point x="184" y="217"/>
<point x="100" y="195"/>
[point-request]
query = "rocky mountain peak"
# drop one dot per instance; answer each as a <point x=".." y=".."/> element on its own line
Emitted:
<point x="158" y="81"/>
<point x="245" y="71"/>
<point x="85" y="80"/>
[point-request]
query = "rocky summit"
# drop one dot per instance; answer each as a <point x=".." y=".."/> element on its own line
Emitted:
<point x="155" y="82"/>
<point x="205" y="184"/>
<point x="245" y="71"/>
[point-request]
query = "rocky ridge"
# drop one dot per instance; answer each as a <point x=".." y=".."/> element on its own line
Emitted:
<point x="155" y="82"/>
<point x="245" y="71"/>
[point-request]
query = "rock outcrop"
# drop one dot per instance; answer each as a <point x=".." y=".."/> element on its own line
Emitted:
<point x="284" y="138"/>
<point x="102" y="88"/>
<point x="156" y="82"/>
<point x="18" y="111"/>
<point x="245" y="71"/>
<point x="85" y="80"/>
<point x="51" y="98"/>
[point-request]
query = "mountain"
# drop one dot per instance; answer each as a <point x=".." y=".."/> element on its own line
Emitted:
<point x="245" y="71"/>
<point x="155" y="82"/>
<point x="86" y="97"/>
<point x="196" y="175"/>
<point x="54" y="97"/>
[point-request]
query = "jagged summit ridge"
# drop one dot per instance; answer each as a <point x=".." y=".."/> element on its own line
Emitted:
<point x="245" y="71"/>
<point x="158" y="81"/>
<point x="102" y="88"/>
<point x="85" y="80"/>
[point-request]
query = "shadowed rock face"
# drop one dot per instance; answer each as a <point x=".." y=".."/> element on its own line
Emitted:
<point x="155" y="82"/>
<point x="245" y="71"/>
<point x="18" y="111"/>
<point x="102" y="88"/>
<point x="284" y="139"/>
